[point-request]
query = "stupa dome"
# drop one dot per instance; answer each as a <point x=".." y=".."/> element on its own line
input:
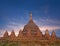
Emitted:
<point x="31" y="27"/>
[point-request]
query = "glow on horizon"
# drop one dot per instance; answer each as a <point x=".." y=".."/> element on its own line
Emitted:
<point x="16" y="26"/>
<point x="16" y="30"/>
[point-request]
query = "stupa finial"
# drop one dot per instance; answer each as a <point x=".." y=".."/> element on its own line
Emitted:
<point x="30" y="15"/>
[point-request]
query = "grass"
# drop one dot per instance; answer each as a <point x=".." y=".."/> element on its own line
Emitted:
<point x="20" y="43"/>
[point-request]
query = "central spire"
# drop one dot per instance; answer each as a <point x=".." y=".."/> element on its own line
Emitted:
<point x="30" y="15"/>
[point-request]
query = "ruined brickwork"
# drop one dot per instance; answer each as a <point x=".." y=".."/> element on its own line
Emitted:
<point x="30" y="32"/>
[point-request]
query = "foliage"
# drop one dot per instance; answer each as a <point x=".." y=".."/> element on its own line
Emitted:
<point x="19" y="43"/>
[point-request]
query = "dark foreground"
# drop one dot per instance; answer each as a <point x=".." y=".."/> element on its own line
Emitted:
<point x="30" y="43"/>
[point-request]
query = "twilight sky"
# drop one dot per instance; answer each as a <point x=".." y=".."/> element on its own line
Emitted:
<point x="14" y="14"/>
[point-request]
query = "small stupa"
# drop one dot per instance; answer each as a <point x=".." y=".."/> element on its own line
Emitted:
<point x="47" y="35"/>
<point x="6" y="34"/>
<point x="12" y="35"/>
<point x="53" y="35"/>
<point x="20" y="34"/>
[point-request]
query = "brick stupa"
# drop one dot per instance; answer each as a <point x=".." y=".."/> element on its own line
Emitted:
<point x="30" y="32"/>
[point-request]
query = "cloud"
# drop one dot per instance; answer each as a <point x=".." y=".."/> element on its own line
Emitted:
<point x="42" y="23"/>
<point x="1" y="32"/>
<point x="50" y="28"/>
<point x="48" y="24"/>
<point x="12" y="25"/>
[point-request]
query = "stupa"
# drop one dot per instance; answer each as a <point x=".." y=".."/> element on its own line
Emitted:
<point x="12" y="35"/>
<point x="30" y="32"/>
<point x="47" y="35"/>
<point x="6" y="34"/>
<point x="31" y="29"/>
<point x="53" y="36"/>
